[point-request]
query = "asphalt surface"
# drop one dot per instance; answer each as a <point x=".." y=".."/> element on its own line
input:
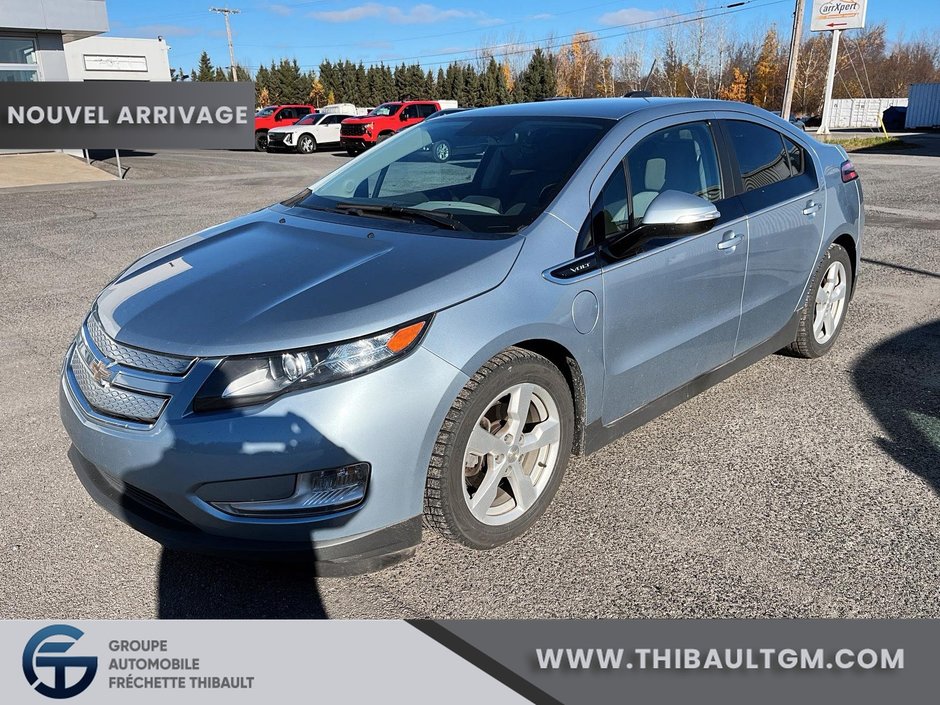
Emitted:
<point x="796" y="488"/>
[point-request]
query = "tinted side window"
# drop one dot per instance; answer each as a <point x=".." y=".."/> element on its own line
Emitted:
<point x="773" y="167"/>
<point x="302" y="111"/>
<point x="680" y="158"/>
<point x="410" y="112"/>
<point x="425" y="110"/>
<point x="761" y="156"/>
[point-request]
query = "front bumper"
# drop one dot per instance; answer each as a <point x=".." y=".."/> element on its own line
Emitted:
<point x="155" y="479"/>
<point x="354" y="143"/>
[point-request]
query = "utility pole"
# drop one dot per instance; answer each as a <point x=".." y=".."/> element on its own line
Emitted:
<point x="796" y="37"/>
<point x="225" y="12"/>
<point x="830" y="79"/>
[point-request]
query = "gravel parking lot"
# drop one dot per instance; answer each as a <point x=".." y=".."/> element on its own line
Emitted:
<point x="794" y="489"/>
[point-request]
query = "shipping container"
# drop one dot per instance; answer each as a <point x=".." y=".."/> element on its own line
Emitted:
<point x="852" y="113"/>
<point x="923" y="107"/>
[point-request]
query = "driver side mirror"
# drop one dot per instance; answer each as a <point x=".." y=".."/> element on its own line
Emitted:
<point x="671" y="214"/>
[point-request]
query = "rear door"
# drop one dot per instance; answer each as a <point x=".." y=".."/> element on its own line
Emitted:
<point x="779" y="190"/>
<point x="671" y="311"/>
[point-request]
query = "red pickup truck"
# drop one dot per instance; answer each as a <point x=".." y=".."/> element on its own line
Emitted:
<point x="277" y="116"/>
<point x="358" y="134"/>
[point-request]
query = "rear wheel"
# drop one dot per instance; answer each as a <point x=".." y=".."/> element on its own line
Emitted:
<point x="306" y="144"/>
<point x="261" y="141"/>
<point x="502" y="451"/>
<point x="826" y="304"/>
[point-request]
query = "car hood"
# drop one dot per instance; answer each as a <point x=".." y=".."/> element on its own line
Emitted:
<point x="276" y="280"/>
<point x="289" y="128"/>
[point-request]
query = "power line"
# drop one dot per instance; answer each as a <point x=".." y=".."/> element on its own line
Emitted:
<point x="508" y="23"/>
<point x="730" y="9"/>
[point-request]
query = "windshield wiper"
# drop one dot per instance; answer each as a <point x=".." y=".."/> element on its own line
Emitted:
<point x="443" y="220"/>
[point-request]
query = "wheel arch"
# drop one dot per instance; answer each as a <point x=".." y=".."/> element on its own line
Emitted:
<point x="846" y="241"/>
<point x="567" y="364"/>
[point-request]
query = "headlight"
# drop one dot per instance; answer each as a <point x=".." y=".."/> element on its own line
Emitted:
<point x="289" y="137"/>
<point x="240" y="381"/>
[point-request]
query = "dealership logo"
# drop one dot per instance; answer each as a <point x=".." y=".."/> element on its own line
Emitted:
<point x="62" y="676"/>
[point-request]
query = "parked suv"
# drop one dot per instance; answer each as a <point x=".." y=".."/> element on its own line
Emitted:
<point x="276" y="116"/>
<point x="308" y="134"/>
<point x="358" y="134"/>
<point x="411" y="341"/>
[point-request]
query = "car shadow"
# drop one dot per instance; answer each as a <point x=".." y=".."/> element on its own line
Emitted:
<point x="899" y="381"/>
<point x="190" y="586"/>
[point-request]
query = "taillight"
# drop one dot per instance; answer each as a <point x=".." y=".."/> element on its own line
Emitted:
<point x="848" y="171"/>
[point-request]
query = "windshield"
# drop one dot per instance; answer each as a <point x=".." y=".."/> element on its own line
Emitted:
<point x="310" y="119"/>
<point x="385" y="109"/>
<point x="489" y="174"/>
<point x="265" y="112"/>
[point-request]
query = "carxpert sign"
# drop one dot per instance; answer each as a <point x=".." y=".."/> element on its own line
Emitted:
<point x="838" y="14"/>
<point x="127" y="115"/>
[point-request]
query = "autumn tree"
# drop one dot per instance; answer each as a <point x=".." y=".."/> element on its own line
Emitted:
<point x="737" y="89"/>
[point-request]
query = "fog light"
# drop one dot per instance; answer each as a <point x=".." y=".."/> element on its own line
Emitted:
<point x="315" y="493"/>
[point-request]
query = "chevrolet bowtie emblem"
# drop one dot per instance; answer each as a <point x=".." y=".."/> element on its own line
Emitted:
<point x="101" y="372"/>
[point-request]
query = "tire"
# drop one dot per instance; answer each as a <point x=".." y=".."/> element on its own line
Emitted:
<point x="352" y="152"/>
<point x="306" y="144"/>
<point x="261" y="141"/>
<point x="829" y="290"/>
<point x="441" y="151"/>
<point x="481" y="409"/>
<point x="384" y="136"/>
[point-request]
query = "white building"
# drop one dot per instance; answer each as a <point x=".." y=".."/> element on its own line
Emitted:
<point x="60" y="40"/>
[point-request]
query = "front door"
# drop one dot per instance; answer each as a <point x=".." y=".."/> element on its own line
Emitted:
<point x="671" y="311"/>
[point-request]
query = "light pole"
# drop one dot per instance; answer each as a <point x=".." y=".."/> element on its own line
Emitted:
<point x="225" y="12"/>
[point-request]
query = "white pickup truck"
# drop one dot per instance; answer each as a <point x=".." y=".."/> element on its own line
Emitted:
<point x="308" y="134"/>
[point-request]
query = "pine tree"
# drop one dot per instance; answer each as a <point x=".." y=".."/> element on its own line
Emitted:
<point x="205" y="72"/>
<point x="537" y="80"/>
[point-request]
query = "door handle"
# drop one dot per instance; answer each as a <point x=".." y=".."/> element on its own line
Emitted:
<point x="811" y="208"/>
<point x="730" y="240"/>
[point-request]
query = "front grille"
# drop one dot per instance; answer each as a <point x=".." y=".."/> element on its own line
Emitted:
<point x="276" y="137"/>
<point x="109" y="399"/>
<point x="135" y="357"/>
<point x="352" y="130"/>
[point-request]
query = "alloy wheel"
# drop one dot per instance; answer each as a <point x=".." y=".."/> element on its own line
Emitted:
<point x="306" y="144"/>
<point x="442" y="151"/>
<point x="511" y="454"/>
<point x="830" y="303"/>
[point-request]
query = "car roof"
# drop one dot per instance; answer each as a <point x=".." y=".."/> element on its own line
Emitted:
<point x="613" y="108"/>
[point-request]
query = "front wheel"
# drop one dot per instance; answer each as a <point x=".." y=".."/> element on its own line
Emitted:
<point x="306" y="144"/>
<point x="261" y="141"/>
<point x="441" y="151"/>
<point x="502" y="451"/>
<point x="826" y="304"/>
